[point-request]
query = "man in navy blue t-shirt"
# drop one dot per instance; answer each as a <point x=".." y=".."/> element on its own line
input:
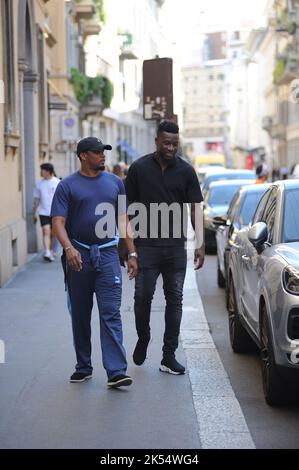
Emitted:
<point x="87" y="208"/>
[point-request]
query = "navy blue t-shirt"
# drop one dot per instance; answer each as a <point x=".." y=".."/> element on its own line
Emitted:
<point x="84" y="201"/>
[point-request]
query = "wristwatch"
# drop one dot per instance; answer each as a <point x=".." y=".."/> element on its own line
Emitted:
<point x="133" y="255"/>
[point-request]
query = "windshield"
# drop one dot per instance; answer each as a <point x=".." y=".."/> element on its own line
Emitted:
<point x="222" y="195"/>
<point x="291" y="219"/>
<point x="250" y="203"/>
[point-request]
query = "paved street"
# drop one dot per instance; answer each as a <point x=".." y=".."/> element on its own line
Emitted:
<point x="270" y="428"/>
<point x="41" y="409"/>
<point x="218" y="404"/>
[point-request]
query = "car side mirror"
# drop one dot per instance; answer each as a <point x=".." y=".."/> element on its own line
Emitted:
<point x="258" y="235"/>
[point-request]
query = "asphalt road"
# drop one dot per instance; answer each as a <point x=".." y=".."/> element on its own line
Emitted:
<point x="271" y="428"/>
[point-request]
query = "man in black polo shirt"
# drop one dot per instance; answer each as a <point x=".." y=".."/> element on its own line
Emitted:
<point x="162" y="178"/>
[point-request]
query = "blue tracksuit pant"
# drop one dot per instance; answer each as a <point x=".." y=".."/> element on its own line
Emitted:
<point x="105" y="281"/>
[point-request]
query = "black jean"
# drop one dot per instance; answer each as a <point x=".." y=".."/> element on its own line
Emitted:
<point x="171" y="263"/>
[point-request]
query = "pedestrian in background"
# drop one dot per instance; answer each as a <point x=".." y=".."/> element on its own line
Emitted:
<point x="43" y="196"/>
<point x="119" y="169"/>
<point x="90" y="262"/>
<point x="162" y="177"/>
<point x="262" y="173"/>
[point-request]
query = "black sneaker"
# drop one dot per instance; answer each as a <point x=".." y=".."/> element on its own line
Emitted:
<point x="119" y="381"/>
<point x="80" y="376"/>
<point x="172" y="366"/>
<point x="139" y="354"/>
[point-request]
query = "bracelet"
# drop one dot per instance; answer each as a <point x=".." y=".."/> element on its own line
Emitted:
<point x="68" y="247"/>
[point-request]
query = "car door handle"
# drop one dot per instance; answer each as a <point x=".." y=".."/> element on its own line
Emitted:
<point x="245" y="258"/>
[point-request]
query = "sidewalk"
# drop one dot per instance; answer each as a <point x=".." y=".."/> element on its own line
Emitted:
<point x="39" y="408"/>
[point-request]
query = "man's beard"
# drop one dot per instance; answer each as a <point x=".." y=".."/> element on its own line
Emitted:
<point x="100" y="168"/>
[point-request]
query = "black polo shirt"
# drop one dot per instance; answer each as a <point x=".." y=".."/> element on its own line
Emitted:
<point x="146" y="183"/>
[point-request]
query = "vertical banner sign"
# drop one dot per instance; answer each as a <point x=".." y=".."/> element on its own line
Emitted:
<point x="157" y="89"/>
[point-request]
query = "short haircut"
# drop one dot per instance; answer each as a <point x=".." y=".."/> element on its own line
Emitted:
<point x="47" y="167"/>
<point x="261" y="170"/>
<point x="168" y="126"/>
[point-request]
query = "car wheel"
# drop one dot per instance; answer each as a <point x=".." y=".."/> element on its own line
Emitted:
<point x="275" y="391"/>
<point x="240" y="340"/>
<point x="220" y="277"/>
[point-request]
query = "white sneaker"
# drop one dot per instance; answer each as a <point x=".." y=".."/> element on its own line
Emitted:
<point x="48" y="256"/>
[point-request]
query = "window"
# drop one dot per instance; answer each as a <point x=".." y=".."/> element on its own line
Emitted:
<point x="291" y="222"/>
<point x="233" y="208"/>
<point x="10" y="124"/>
<point x="222" y="195"/>
<point x="260" y="208"/>
<point x="270" y="219"/>
<point x="248" y="207"/>
<point x="269" y="214"/>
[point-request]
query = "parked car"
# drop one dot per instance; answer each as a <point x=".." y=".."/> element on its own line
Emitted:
<point x="225" y="174"/>
<point x="216" y="202"/>
<point x="263" y="284"/>
<point x="202" y="171"/>
<point x="294" y="173"/>
<point x="239" y="214"/>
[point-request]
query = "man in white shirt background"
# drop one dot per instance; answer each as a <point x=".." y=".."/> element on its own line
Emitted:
<point x="43" y="196"/>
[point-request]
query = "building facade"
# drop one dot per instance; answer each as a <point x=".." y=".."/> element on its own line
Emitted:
<point x="131" y="34"/>
<point x="204" y="108"/>
<point x="68" y="68"/>
<point x="24" y="126"/>
<point x="40" y="42"/>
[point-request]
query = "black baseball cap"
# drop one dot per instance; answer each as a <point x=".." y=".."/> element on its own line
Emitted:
<point x="91" y="143"/>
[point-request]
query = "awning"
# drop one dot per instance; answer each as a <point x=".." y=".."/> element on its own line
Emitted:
<point x="126" y="147"/>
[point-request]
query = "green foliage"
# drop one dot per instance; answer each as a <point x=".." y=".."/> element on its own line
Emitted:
<point x="107" y="92"/>
<point x="81" y="85"/>
<point x="86" y="88"/>
<point x="100" y="5"/>
<point x="279" y="69"/>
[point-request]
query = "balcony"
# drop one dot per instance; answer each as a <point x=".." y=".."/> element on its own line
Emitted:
<point x="275" y="127"/>
<point x="287" y="23"/>
<point x="278" y="131"/>
<point x="84" y="10"/>
<point x="128" y="50"/>
<point x="267" y="122"/>
<point x="93" y="93"/>
<point x="286" y="68"/>
<point x="91" y="28"/>
<point x="94" y="105"/>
